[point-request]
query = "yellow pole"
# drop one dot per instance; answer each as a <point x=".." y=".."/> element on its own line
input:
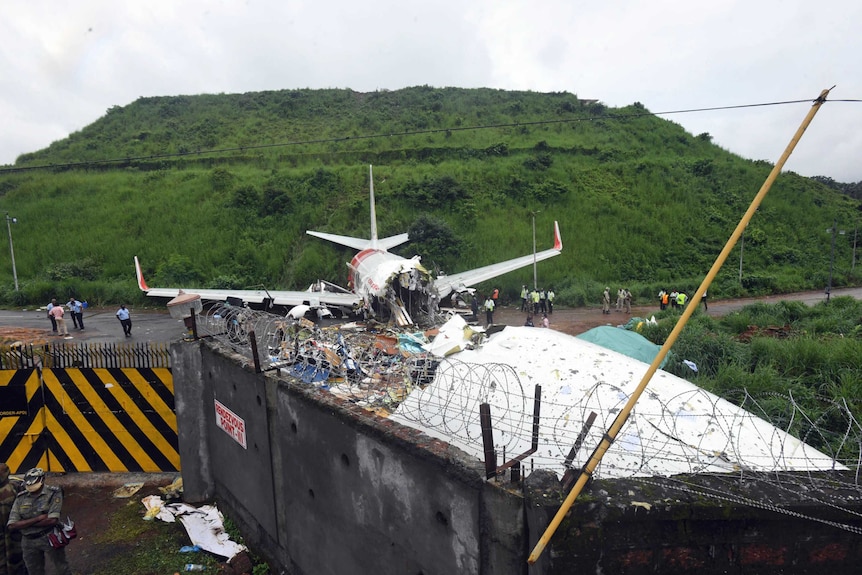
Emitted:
<point x="623" y="415"/>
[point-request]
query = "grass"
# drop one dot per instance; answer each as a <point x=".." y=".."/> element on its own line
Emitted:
<point x="145" y="547"/>
<point x="807" y="356"/>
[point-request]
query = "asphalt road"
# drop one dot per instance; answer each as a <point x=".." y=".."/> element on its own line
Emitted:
<point x="102" y="325"/>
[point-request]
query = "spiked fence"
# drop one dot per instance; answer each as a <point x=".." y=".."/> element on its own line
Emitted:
<point x="86" y="355"/>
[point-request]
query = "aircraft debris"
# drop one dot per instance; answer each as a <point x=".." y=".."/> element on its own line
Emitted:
<point x="435" y="379"/>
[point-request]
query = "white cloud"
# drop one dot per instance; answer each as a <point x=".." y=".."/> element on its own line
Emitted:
<point x="62" y="65"/>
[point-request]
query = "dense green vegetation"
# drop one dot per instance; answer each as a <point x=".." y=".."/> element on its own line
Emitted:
<point x="781" y="355"/>
<point x="217" y="190"/>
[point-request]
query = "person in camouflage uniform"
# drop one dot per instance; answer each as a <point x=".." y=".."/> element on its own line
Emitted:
<point x="35" y="513"/>
<point x="11" y="557"/>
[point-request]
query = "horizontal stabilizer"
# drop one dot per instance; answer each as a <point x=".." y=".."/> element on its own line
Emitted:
<point x="360" y="244"/>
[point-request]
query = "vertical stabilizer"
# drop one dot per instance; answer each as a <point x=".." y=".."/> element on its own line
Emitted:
<point x="373" y="211"/>
<point x="362" y="244"/>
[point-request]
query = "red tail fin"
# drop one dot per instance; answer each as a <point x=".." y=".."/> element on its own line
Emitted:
<point x="141" y="282"/>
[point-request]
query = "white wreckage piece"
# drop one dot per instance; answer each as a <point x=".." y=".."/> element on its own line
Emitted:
<point x="675" y="428"/>
<point x="204" y="525"/>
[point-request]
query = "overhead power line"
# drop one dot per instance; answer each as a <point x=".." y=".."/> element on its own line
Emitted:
<point x="335" y="139"/>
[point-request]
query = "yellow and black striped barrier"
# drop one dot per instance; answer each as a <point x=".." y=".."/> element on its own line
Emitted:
<point x="88" y="419"/>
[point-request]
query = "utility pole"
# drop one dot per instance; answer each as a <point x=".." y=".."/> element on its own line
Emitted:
<point x="10" y="221"/>
<point x="535" y="279"/>
<point x="741" y="248"/>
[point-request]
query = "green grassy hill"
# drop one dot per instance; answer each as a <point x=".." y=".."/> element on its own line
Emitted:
<point x="218" y="190"/>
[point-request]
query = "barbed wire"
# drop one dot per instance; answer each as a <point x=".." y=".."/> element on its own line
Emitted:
<point x="382" y="368"/>
<point x="745" y="439"/>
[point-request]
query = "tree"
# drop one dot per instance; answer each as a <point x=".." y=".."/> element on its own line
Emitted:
<point x="434" y="240"/>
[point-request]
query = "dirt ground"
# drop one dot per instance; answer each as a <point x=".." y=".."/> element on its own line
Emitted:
<point x="10" y="335"/>
<point x="571" y="321"/>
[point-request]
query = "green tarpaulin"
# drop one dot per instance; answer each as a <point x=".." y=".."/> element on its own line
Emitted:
<point x="624" y="341"/>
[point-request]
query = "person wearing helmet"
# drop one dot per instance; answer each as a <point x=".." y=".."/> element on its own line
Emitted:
<point x="11" y="559"/>
<point x="35" y="513"/>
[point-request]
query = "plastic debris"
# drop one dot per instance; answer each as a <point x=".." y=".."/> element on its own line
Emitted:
<point x="128" y="489"/>
<point x="174" y="490"/>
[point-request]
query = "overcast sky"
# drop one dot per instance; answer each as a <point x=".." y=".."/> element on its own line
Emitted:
<point x="63" y="64"/>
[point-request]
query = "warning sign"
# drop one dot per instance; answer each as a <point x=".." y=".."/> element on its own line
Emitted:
<point x="231" y="423"/>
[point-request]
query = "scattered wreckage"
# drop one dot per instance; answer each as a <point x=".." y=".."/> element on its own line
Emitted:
<point x="539" y="386"/>
<point x="376" y="365"/>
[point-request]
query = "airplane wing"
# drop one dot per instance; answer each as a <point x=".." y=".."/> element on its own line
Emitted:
<point x="447" y="284"/>
<point x="278" y="297"/>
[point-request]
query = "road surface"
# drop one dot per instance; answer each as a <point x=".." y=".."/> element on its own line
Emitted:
<point x="101" y="324"/>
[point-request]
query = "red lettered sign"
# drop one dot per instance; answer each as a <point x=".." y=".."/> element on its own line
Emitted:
<point x="231" y="423"/>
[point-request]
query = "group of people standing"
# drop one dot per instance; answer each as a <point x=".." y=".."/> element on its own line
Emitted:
<point x="624" y="300"/>
<point x="676" y="299"/>
<point x="57" y="315"/>
<point x="541" y="303"/>
<point x="537" y="300"/>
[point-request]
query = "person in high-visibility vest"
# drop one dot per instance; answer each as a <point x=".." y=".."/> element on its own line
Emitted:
<point x="489" y="311"/>
<point x="680" y="299"/>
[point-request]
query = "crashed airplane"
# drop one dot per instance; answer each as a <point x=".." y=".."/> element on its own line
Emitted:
<point x="382" y="285"/>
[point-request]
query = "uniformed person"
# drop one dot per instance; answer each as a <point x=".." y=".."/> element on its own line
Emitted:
<point x="11" y="559"/>
<point x="35" y="513"/>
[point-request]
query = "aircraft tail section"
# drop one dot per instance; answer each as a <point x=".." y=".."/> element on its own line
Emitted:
<point x="361" y="244"/>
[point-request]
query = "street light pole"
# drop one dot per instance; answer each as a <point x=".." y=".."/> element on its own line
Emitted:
<point x="535" y="280"/>
<point x="10" y="221"/>
<point x="834" y="231"/>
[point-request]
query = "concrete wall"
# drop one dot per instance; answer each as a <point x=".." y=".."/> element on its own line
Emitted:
<point x="674" y="525"/>
<point x="323" y="487"/>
